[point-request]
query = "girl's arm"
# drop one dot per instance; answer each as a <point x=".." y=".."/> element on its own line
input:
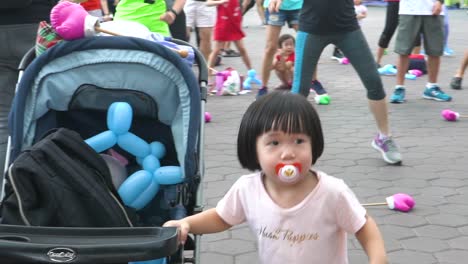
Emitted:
<point x="203" y="223"/>
<point x="215" y="2"/>
<point x="371" y="240"/>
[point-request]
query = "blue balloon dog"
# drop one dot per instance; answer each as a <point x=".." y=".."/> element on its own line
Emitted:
<point x="251" y="78"/>
<point x="143" y="185"/>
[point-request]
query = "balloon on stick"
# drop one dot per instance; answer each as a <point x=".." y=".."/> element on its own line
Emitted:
<point x="400" y="202"/>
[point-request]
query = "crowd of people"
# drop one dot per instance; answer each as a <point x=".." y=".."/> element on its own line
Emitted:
<point x="280" y="126"/>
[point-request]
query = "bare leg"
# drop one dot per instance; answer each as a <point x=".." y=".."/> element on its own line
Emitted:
<point x="380" y="53"/>
<point x="380" y="112"/>
<point x="461" y="71"/>
<point x="219" y="45"/>
<point x="205" y="41"/>
<point x="272" y="34"/>
<point x="243" y="52"/>
<point x="433" y="64"/>
<point x="260" y="10"/>
<point x="402" y="67"/>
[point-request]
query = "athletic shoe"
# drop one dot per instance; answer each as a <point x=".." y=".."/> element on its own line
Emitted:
<point x="231" y="53"/>
<point x="318" y="88"/>
<point x="337" y="54"/>
<point x="456" y="83"/>
<point x="398" y="96"/>
<point x="388" y="149"/>
<point x="261" y="92"/>
<point x="448" y="51"/>
<point x="435" y="93"/>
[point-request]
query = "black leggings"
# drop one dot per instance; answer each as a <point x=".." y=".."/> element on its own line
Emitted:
<point x="354" y="46"/>
<point x="391" y="23"/>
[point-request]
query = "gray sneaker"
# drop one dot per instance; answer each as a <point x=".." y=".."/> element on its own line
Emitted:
<point x="388" y="149"/>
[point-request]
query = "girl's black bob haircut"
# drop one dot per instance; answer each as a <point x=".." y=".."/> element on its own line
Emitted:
<point x="277" y="111"/>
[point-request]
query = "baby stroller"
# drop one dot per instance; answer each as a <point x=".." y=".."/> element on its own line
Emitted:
<point x="72" y="86"/>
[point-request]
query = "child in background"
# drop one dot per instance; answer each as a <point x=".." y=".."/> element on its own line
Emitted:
<point x="361" y="11"/>
<point x="283" y="64"/>
<point x="299" y="214"/>
<point x="287" y="13"/>
<point x="228" y="28"/>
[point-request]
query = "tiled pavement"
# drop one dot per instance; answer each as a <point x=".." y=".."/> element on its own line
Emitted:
<point x="435" y="153"/>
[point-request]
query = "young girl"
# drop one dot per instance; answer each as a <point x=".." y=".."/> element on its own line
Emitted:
<point x="228" y="27"/>
<point x="283" y="64"/>
<point x="298" y="214"/>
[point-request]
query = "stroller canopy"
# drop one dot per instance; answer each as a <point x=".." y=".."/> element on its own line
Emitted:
<point x="117" y="64"/>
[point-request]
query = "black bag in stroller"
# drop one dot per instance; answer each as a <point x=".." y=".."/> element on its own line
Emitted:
<point x="62" y="182"/>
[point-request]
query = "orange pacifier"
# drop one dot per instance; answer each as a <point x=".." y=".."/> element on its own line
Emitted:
<point x="288" y="173"/>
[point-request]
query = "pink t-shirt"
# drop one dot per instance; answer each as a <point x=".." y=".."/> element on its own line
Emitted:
<point x="313" y="231"/>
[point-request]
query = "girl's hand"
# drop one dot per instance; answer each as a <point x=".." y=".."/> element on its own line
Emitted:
<point x="274" y="5"/>
<point x="168" y="17"/>
<point x="183" y="226"/>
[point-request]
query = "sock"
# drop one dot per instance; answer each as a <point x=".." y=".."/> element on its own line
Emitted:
<point x="382" y="136"/>
<point x="264" y="88"/>
<point x="429" y="85"/>
<point x="399" y="86"/>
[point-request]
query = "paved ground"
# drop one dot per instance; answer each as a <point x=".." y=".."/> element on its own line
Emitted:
<point x="434" y="172"/>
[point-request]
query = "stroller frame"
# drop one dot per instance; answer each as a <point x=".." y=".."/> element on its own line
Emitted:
<point x="31" y="240"/>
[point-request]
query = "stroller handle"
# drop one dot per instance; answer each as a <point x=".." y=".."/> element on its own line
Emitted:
<point x="85" y="245"/>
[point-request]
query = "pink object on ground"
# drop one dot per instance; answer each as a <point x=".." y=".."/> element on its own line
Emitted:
<point x="68" y="19"/>
<point x="344" y="61"/>
<point x="450" y="115"/>
<point x="221" y="77"/>
<point x="416" y="73"/>
<point x="207" y="117"/>
<point x="400" y="202"/>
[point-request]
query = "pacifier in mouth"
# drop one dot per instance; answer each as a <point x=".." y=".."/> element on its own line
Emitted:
<point x="288" y="172"/>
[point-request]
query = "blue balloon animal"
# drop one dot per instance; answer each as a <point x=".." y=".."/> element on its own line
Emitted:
<point x="251" y="78"/>
<point x="143" y="185"/>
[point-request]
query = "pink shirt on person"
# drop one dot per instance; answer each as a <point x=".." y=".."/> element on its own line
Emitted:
<point x="313" y="231"/>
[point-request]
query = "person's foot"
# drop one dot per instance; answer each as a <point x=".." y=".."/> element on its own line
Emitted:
<point x="435" y="93"/>
<point x="448" y="51"/>
<point x="321" y="96"/>
<point x="398" y="96"/>
<point x="231" y="53"/>
<point x="456" y="83"/>
<point x="337" y="54"/>
<point x="261" y="92"/>
<point x="388" y="148"/>
<point x="218" y="60"/>
<point x="317" y="87"/>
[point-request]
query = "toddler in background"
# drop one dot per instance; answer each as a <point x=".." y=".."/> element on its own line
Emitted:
<point x="283" y="63"/>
